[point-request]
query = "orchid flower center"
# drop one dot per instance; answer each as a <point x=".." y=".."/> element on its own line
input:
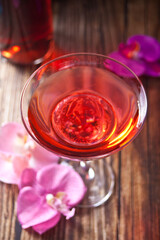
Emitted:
<point x="59" y="203"/>
<point x="131" y="50"/>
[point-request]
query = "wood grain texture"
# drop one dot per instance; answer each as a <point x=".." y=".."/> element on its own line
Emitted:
<point x="133" y="212"/>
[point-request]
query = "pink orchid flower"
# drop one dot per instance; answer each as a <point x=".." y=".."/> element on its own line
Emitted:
<point x="47" y="194"/>
<point x="18" y="151"/>
<point x="141" y="54"/>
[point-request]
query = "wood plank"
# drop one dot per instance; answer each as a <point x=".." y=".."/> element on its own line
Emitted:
<point x="153" y="126"/>
<point x="136" y="221"/>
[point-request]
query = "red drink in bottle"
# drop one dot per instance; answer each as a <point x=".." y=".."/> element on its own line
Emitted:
<point x="26" y="30"/>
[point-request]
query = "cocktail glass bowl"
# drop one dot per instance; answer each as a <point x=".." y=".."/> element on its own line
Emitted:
<point x="85" y="107"/>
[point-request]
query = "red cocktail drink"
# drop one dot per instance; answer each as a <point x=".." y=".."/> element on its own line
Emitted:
<point x="85" y="119"/>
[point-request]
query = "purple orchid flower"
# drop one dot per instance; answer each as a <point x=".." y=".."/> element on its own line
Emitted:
<point x="147" y="47"/>
<point x="47" y="194"/>
<point x="18" y="151"/>
<point x="136" y="66"/>
<point x="141" y="54"/>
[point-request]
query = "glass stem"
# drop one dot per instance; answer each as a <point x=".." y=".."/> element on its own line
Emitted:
<point x="98" y="177"/>
<point x="87" y="171"/>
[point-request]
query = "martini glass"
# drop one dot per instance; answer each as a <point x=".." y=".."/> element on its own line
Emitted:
<point x="85" y="107"/>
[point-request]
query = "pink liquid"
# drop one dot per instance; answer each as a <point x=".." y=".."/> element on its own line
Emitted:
<point x="83" y="118"/>
<point x="84" y="112"/>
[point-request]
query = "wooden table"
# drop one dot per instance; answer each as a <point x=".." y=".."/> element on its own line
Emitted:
<point x="133" y="212"/>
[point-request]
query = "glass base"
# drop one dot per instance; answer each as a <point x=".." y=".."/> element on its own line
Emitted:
<point x="99" y="179"/>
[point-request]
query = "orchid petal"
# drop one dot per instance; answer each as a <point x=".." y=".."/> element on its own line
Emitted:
<point x="44" y="226"/>
<point x="32" y="208"/>
<point x="153" y="69"/>
<point x="59" y="178"/>
<point x="137" y="67"/>
<point x="70" y="213"/>
<point x="9" y="135"/>
<point x="7" y="173"/>
<point x="42" y="157"/>
<point x="28" y="178"/>
<point x="19" y="164"/>
<point x="149" y="47"/>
